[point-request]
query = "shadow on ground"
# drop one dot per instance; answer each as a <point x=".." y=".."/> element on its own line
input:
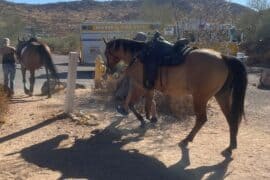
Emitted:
<point x="79" y="64"/>
<point x="80" y="75"/>
<point x="33" y="128"/>
<point x="101" y="157"/>
<point x="23" y="99"/>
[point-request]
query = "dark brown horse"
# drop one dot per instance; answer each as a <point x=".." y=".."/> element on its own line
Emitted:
<point x="34" y="54"/>
<point x="204" y="73"/>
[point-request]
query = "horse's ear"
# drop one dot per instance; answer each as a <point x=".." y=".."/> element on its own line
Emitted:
<point x="105" y="41"/>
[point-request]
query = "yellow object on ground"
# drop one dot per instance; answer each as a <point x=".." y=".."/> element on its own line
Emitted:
<point x="232" y="48"/>
<point x="100" y="70"/>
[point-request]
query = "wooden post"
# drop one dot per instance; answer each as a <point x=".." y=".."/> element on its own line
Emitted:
<point x="71" y="82"/>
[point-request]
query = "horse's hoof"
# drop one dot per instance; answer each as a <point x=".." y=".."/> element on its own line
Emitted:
<point x="227" y="152"/>
<point x="121" y="110"/>
<point x="184" y="143"/>
<point x="26" y="91"/>
<point x="142" y="124"/>
<point x="153" y="120"/>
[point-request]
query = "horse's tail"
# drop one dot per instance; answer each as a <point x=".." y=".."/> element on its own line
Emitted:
<point x="237" y="83"/>
<point x="47" y="60"/>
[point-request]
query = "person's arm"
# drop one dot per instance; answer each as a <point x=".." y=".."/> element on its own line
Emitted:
<point x="15" y="55"/>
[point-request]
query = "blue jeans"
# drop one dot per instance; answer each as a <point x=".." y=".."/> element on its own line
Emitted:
<point x="9" y="76"/>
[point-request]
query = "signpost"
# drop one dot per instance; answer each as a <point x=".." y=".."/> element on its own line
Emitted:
<point x="71" y="82"/>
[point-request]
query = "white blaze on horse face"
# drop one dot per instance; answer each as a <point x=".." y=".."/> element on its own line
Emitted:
<point x="23" y="50"/>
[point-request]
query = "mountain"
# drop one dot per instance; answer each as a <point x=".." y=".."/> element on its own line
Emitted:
<point x="58" y="19"/>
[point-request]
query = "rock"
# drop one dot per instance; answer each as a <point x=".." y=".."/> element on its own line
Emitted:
<point x="56" y="86"/>
<point x="265" y="79"/>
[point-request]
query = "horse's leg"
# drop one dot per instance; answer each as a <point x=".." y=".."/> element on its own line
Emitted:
<point x="48" y="80"/>
<point x="26" y="91"/>
<point x="153" y="112"/>
<point x="32" y="82"/>
<point x="124" y="109"/>
<point x="138" y="116"/>
<point x="150" y="106"/>
<point x="148" y="102"/>
<point x="201" y="118"/>
<point x="224" y="100"/>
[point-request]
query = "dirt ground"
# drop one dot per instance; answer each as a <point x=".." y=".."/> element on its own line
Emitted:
<point x="36" y="142"/>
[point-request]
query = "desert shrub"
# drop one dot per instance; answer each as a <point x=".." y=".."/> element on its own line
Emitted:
<point x="10" y="26"/>
<point x="179" y="107"/>
<point x="63" y="45"/>
<point x="256" y="28"/>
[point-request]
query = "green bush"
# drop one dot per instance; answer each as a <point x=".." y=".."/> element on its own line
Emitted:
<point x="256" y="27"/>
<point x="11" y="26"/>
<point x="63" y="45"/>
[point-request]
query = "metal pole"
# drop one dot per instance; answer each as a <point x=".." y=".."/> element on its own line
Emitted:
<point x="71" y="82"/>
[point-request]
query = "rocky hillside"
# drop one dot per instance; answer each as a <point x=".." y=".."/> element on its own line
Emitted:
<point x="61" y="18"/>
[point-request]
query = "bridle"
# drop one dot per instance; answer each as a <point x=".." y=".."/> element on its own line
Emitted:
<point x="133" y="61"/>
<point x="110" y="56"/>
<point x="114" y="58"/>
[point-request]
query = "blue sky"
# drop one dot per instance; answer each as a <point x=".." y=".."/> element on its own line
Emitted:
<point x="244" y="2"/>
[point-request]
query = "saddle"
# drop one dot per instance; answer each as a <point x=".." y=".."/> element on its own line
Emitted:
<point x="160" y="52"/>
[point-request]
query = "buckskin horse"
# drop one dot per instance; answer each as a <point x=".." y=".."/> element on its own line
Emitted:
<point x="32" y="55"/>
<point x="203" y="74"/>
<point x="129" y="93"/>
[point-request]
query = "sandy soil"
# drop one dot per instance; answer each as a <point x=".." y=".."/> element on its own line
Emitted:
<point x="36" y="142"/>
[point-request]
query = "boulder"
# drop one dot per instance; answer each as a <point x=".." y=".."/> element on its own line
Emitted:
<point x="265" y="79"/>
<point x="56" y="86"/>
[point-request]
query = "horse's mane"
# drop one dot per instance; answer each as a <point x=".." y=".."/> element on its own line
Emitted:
<point x="35" y="40"/>
<point x="127" y="45"/>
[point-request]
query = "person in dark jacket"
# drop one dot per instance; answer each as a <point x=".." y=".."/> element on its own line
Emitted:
<point x="9" y="66"/>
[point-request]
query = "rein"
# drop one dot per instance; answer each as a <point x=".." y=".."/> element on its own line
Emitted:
<point x="134" y="59"/>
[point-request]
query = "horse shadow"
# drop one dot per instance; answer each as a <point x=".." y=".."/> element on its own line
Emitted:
<point x="102" y="157"/>
<point x="217" y="171"/>
<point x="80" y="75"/>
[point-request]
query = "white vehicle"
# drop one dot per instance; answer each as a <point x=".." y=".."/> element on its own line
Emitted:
<point x="169" y="31"/>
<point x="92" y="34"/>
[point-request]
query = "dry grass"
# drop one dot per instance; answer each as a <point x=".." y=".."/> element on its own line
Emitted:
<point x="3" y="104"/>
<point x="180" y="107"/>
